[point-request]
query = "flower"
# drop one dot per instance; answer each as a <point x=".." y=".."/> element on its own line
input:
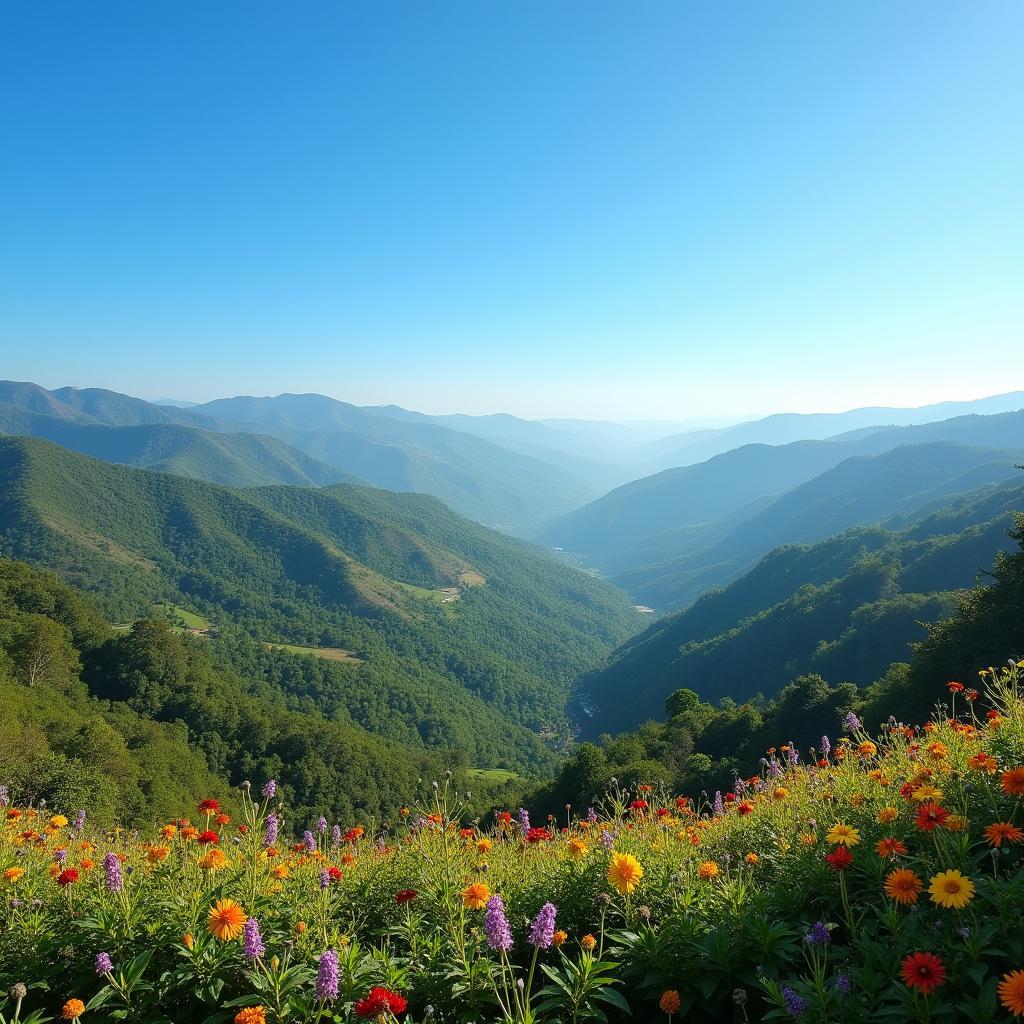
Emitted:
<point x="269" y="790"/>
<point x="475" y="896"/>
<point x="588" y="942"/>
<point x="559" y="937"/>
<point x="225" y="920"/>
<point x="327" y="977"/>
<point x="483" y="845"/>
<point x="842" y="835"/>
<point x="903" y="886"/>
<point x="818" y="935"/>
<point x="1003" y="831"/>
<point x="887" y="815"/>
<point x="58" y="821"/>
<point x="542" y="930"/>
<point x="208" y="837"/>
<point x="624" y="872"/>
<point x="669" y="1002"/>
<point x="950" y="889"/>
<point x="404" y="895"/>
<point x="1012" y="782"/>
<point x="252" y="941"/>
<point x="577" y="848"/>
<point x="208" y="806"/>
<point x="67" y="877"/>
<point x="104" y="965"/>
<point x="839" y="859"/>
<point x="213" y="860"/>
<point x="923" y="971"/>
<point x="1011" y="992"/>
<point x="11" y="875"/>
<point x="890" y="847"/>
<point x="379" y="1001"/>
<point x="251" y="1015"/>
<point x="751" y="858"/>
<point x="496" y="927"/>
<point x="795" y="1004"/>
<point x="708" y="869"/>
<point x="930" y="816"/>
<point x="270" y="827"/>
<point x="72" y="1009"/>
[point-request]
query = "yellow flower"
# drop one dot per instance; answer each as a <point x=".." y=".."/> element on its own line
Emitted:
<point x="483" y="844"/>
<point x="780" y="793"/>
<point x="751" y="858"/>
<point x="624" y="872"/>
<point x="886" y="815"/>
<point x="951" y="889"/>
<point x="475" y="896"/>
<point x="225" y="920"/>
<point x="808" y="839"/>
<point x="841" y="834"/>
<point x="577" y="848"/>
<point x="927" y="792"/>
<point x="11" y="875"/>
<point x="955" y="823"/>
<point x="708" y="869"/>
<point x="280" y="871"/>
<point x="58" y="821"/>
<point x="187" y="941"/>
<point x="213" y="860"/>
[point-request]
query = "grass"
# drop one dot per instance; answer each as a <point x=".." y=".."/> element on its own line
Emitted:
<point x="189" y="619"/>
<point x="495" y="775"/>
<point x="327" y="653"/>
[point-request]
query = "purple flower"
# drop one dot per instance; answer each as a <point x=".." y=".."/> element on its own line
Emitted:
<point x="542" y="931"/>
<point x="719" y="806"/>
<point x="321" y="824"/>
<point x="826" y="747"/>
<point x="79" y="823"/>
<point x="774" y="769"/>
<point x="794" y="756"/>
<point x="327" y="977"/>
<point x="591" y="815"/>
<point x="270" y="827"/>
<point x="112" y="868"/>
<point x="335" y="837"/>
<point x="851" y="722"/>
<point x="524" y="820"/>
<point x="5" y="796"/>
<point x="843" y="984"/>
<point x="104" y="965"/>
<point x="308" y="841"/>
<point x="325" y="878"/>
<point x="818" y="935"/>
<point x="60" y="856"/>
<point x="252" y="940"/>
<point x="607" y="839"/>
<point x="496" y="928"/>
<point x="269" y="789"/>
<point x="795" y="1005"/>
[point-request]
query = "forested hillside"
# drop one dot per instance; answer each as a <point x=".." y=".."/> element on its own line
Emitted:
<point x="458" y="637"/>
<point x="845" y="608"/>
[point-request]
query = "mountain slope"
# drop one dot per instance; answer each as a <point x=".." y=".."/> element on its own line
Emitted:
<point x="465" y="638"/>
<point x="859" y="490"/>
<point x="845" y="607"/>
<point x="619" y="531"/>
<point x="238" y="460"/>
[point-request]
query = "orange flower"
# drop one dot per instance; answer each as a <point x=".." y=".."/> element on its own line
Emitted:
<point x="669" y="1002"/>
<point x="475" y="896"/>
<point x="1011" y="992"/>
<point x="890" y="848"/>
<point x="73" y="1009"/>
<point x="887" y="815"/>
<point x="751" y="858"/>
<point x="1012" y="782"/>
<point x="280" y="871"/>
<point x="588" y="942"/>
<point x="708" y="870"/>
<point x="483" y="844"/>
<point x="251" y="1015"/>
<point x="1003" y="832"/>
<point x="225" y="920"/>
<point x="559" y="937"/>
<point x="983" y="762"/>
<point x="903" y="886"/>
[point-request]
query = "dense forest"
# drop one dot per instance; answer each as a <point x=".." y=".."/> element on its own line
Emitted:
<point x="704" y="746"/>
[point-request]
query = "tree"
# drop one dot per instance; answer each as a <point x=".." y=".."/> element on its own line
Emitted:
<point x="41" y="651"/>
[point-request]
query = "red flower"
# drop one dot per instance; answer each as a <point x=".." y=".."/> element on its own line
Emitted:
<point x="730" y="797"/>
<point x="638" y="805"/>
<point x="923" y="971"/>
<point x="745" y="807"/>
<point x="378" y="1001"/>
<point x="955" y="687"/>
<point x="404" y="895"/>
<point x="67" y="877"/>
<point x="930" y="815"/>
<point x="538" y="835"/>
<point x="839" y="859"/>
<point x="505" y="817"/>
<point x="663" y="812"/>
<point x="209" y="806"/>
<point x="208" y="837"/>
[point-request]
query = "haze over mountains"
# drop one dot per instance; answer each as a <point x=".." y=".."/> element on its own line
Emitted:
<point x="785" y="545"/>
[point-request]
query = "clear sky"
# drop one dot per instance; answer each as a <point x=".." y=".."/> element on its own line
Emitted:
<point x="607" y="209"/>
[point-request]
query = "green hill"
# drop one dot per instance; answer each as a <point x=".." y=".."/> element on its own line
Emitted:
<point x="466" y="640"/>
<point x="844" y="608"/>
<point x="238" y="460"/>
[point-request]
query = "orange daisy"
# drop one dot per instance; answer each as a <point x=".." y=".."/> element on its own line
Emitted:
<point x="903" y="886"/>
<point x="226" y="920"/>
<point x="1000" y="832"/>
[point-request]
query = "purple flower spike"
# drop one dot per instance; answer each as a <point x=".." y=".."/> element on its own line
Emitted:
<point x="104" y="965"/>
<point x="252" y="941"/>
<point x="269" y="789"/>
<point x="542" y="931"/>
<point x="114" y="880"/>
<point x="496" y="927"/>
<point x="270" y="827"/>
<point x="327" y="977"/>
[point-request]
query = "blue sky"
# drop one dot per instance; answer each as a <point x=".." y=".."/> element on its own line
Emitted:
<point x="653" y="209"/>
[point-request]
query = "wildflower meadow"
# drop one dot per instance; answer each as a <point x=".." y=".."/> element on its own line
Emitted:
<point x="873" y="878"/>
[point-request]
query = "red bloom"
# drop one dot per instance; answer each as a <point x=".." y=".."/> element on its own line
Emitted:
<point x="923" y="971"/>
<point x="955" y="687"/>
<point x="67" y="877"/>
<point x="208" y="837"/>
<point x="638" y="805"/>
<point x="538" y="835"/>
<point x="335" y="874"/>
<point x="930" y="815"/>
<point x="379" y="1000"/>
<point x="839" y="859"/>
<point x="730" y="797"/>
<point x="744" y="807"/>
<point x="209" y="806"/>
<point x="663" y="812"/>
<point x="404" y="895"/>
<point x="505" y="817"/>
